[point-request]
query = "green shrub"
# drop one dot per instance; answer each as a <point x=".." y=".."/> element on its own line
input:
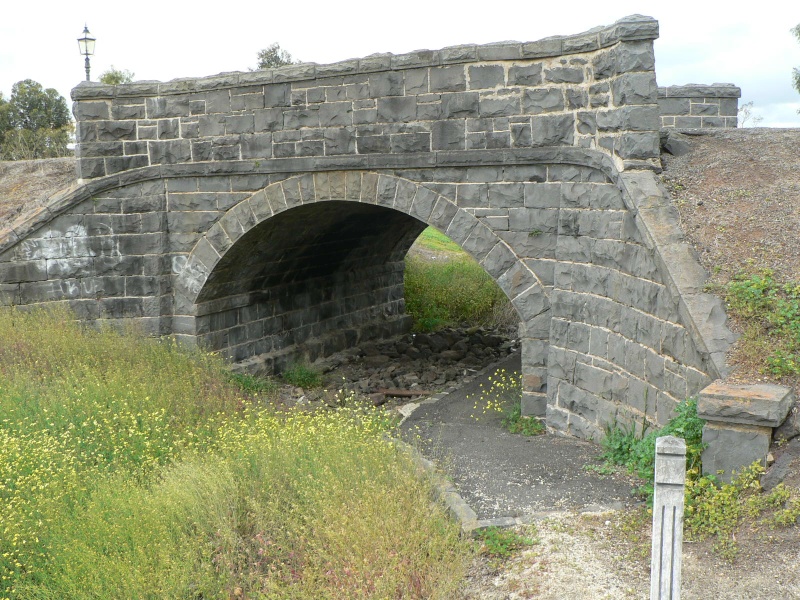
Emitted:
<point x="712" y="510"/>
<point x="301" y="375"/>
<point x="638" y="454"/>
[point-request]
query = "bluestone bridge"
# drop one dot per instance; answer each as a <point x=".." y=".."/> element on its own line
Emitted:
<point x="266" y="214"/>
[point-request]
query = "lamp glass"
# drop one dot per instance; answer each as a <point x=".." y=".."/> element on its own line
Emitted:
<point x="86" y="43"/>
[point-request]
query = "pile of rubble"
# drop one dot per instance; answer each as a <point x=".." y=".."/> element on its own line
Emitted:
<point x="411" y="365"/>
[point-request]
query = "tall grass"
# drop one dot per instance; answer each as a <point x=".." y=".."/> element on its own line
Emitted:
<point x="452" y="289"/>
<point x="130" y="468"/>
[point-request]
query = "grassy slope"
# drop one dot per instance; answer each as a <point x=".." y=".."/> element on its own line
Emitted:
<point x="444" y="286"/>
<point x="130" y="468"/>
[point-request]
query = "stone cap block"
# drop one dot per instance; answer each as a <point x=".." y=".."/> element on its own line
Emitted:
<point x="700" y="90"/>
<point x="671" y="445"/>
<point x="764" y="405"/>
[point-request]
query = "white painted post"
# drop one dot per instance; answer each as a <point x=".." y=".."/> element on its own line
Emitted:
<point x="665" y="565"/>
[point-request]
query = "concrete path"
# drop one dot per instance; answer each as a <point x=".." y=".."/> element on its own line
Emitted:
<point x="500" y="474"/>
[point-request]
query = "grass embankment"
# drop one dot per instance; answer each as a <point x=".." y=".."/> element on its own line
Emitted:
<point x="770" y="310"/>
<point x="130" y="468"/>
<point x="451" y="289"/>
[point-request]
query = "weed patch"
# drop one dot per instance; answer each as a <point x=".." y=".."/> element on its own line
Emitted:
<point x="503" y="543"/>
<point x="638" y="454"/>
<point x="504" y="395"/>
<point x="772" y="310"/>
<point x="301" y="375"/>
<point x="719" y="511"/>
<point x="251" y="384"/>
<point x="712" y="509"/>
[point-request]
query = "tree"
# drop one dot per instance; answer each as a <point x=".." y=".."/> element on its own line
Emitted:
<point x="32" y="107"/>
<point x="114" y="76"/>
<point x="796" y="73"/>
<point x="34" y="123"/>
<point x="274" y="56"/>
<point x="747" y="118"/>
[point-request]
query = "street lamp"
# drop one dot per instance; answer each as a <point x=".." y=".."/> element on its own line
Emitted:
<point x="86" y="44"/>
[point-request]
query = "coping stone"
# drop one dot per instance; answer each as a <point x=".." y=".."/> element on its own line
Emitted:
<point x="765" y="405"/>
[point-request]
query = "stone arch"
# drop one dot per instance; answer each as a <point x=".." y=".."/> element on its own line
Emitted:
<point x="210" y="283"/>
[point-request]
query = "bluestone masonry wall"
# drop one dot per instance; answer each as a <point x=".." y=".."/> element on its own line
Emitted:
<point x="266" y="214"/>
<point x="696" y="106"/>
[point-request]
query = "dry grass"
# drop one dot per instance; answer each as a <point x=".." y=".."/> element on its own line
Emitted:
<point x="130" y="468"/>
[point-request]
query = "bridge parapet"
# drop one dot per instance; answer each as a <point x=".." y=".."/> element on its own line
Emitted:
<point x="696" y="106"/>
<point x="595" y="90"/>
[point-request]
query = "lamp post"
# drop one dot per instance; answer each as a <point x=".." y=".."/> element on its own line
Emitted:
<point x="86" y="44"/>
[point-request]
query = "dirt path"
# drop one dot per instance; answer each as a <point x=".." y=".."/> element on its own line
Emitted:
<point x="606" y="556"/>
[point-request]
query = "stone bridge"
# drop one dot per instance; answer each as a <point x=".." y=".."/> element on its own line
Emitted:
<point x="266" y="214"/>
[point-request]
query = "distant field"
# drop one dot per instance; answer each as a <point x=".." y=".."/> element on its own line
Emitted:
<point x="444" y="287"/>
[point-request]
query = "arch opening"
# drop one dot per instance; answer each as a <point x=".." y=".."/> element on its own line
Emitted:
<point x="308" y="282"/>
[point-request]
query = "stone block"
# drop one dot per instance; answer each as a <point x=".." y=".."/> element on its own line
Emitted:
<point x="688" y="122"/>
<point x="534" y="404"/>
<point x="448" y="135"/>
<point x="400" y="109"/>
<point x="635" y="88"/>
<point x="729" y="107"/>
<point x="448" y="79"/>
<point x="486" y="76"/>
<point x="170" y="152"/>
<point x="336" y="114"/>
<point x="639" y="145"/>
<point x="91" y="110"/>
<point x="564" y="75"/>
<point x="553" y="130"/>
<point x="527" y="75"/>
<point x="340" y="140"/>
<point x="112" y="131"/>
<point x="373" y="144"/>
<point x="703" y="109"/>
<point x="732" y="447"/>
<point x="674" y="106"/>
<point x="764" y="405"/>
<point x="542" y="100"/>
<point x="506" y="195"/>
<point x="460" y="105"/>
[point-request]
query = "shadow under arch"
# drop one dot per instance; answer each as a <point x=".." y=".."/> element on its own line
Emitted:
<point x="314" y="263"/>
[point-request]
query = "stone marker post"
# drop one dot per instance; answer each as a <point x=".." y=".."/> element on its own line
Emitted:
<point x="665" y="566"/>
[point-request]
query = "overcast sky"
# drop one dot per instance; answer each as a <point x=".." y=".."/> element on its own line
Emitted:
<point x="749" y="44"/>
